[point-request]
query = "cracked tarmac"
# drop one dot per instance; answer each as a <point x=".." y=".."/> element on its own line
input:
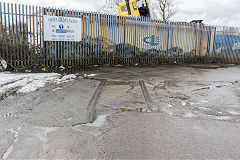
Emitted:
<point x="157" y="112"/>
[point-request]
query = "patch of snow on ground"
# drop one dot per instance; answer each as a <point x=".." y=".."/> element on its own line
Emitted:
<point x="183" y="103"/>
<point x="25" y="82"/>
<point x="204" y="108"/>
<point x="188" y="115"/>
<point x="66" y="78"/>
<point x="170" y="105"/>
<point x="234" y="112"/>
<point x="89" y="75"/>
<point x="98" y="122"/>
<point x="28" y="82"/>
<point x="223" y="118"/>
<point x="58" y="88"/>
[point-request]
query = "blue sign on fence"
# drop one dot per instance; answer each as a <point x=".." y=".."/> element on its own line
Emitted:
<point x="61" y="29"/>
<point x="151" y="40"/>
<point x="58" y="28"/>
<point x="227" y="42"/>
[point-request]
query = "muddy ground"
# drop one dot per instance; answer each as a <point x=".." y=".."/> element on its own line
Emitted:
<point x="157" y="112"/>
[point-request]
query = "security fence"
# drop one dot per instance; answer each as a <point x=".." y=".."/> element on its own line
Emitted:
<point x="108" y="39"/>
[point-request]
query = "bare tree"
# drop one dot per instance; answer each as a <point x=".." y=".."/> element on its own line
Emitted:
<point x="167" y="8"/>
<point x="109" y="7"/>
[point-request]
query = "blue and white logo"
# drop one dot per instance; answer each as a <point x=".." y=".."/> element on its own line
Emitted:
<point x="61" y="29"/>
<point x="151" y="40"/>
<point x="61" y="26"/>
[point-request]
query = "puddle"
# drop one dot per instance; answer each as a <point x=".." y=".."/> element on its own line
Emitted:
<point x="98" y="122"/>
<point x="208" y="66"/>
<point x="122" y="96"/>
<point x="199" y="89"/>
<point x="171" y="83"/>
<point x="220" y="86"/>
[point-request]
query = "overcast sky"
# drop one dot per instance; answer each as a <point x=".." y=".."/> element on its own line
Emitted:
<point x="218" y="12"/>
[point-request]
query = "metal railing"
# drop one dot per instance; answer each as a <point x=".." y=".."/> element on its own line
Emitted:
<point x="109" y="39"/>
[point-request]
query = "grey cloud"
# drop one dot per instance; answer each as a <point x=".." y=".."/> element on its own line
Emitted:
<point x="217" y="12"/>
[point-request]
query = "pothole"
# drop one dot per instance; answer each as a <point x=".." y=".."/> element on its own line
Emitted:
<point x="171" y="83"/>
<point x="120" y="83"/>
<point x="122" y="93"/>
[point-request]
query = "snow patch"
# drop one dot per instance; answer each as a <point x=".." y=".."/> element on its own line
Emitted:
<point x="234" y="112"/>
<point x="28" y="82"/>
<point x="25" y="82"/>
<point x="89" y="75"/>
<point x="170" y="105"/>
<point x="223" y="118"/>
<point x="204" y="108"/>
<point x="66" y="78"/>
<point x="212" y="87"/>
<point x="119" y="65"/>
<point x="98" y="122"/>
<point x="183" y="103"/>
<point x="188" y="115"/>
<point x="58" y="88"/>
<point x="33" y="86"/>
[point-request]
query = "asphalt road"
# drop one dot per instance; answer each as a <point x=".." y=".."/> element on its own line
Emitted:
<point x="160" y="112"/>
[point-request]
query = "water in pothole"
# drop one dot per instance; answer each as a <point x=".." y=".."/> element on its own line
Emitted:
<point x="178" y="99"/>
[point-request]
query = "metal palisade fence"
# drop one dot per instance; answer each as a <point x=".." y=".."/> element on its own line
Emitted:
<point x="26" y="39"/>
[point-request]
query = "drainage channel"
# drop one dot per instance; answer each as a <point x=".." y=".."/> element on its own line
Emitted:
<point x="146" y="96"/>
<point x="91" y="108"/>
